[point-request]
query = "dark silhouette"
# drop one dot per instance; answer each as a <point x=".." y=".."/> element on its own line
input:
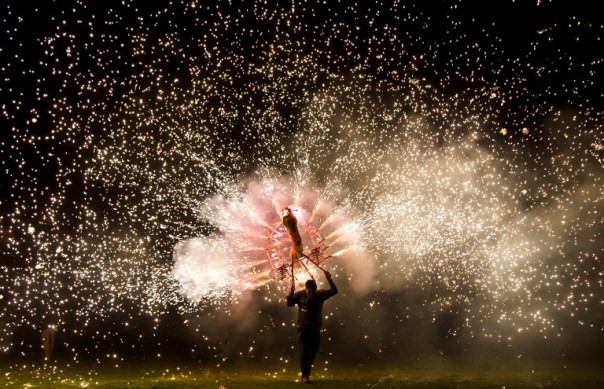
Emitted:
<point x="48" y="341"/>
<point x="310" y="307"/>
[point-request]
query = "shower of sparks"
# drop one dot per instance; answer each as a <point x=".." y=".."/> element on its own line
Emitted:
<point x="149" y="146"/>
<point x="244" y="225"/>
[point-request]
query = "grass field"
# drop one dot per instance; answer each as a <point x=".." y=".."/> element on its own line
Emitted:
<point x="516" y="375"/>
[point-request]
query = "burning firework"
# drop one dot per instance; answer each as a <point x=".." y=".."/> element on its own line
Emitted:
<point x="260" y="244"/>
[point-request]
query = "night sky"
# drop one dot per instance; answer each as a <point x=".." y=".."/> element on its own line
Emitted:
<point x="451" y="154"/>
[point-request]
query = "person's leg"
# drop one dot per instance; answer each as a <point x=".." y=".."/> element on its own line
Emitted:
<point x="304" y="353"/>
<point x="314" y="339"/>
<point x="46" y="344"/>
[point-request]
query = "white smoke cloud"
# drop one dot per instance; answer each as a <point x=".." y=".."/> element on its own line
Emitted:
<point x="206" y="269"/>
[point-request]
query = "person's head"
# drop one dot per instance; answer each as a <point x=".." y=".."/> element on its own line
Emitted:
<point x="310" y="287"/>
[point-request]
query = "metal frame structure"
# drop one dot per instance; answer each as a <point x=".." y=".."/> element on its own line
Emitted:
<point x="278" y="243"/>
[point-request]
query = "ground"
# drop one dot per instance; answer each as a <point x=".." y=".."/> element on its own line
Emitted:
<point x="447" y="375"/>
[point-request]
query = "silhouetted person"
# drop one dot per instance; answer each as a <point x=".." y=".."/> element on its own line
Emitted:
<point x="310" y="307"/>
<point x="48" y="341"/>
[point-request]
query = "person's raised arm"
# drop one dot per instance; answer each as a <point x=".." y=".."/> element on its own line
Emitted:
<point x="291" y="297"/>
<point x="333" y="289"/>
